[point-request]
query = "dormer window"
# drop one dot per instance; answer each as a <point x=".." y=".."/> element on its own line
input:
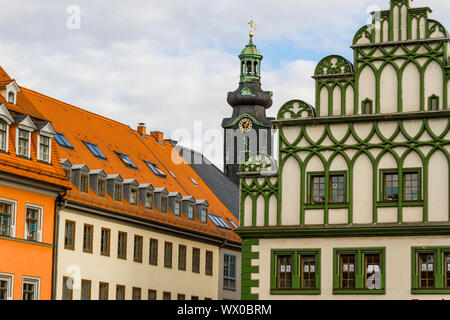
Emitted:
<point x="164" y="205"/>
<point x="23" y="143"/>
<point x="177" y="208"/>
<point x="84" y="183"/>
<point x="204" y="215"/>
<point x="101" y="188"/>
<point x="12" y="97"/>
<point x="149" y="201"/>
<point x="191" y="211"/>
<point x="133" y="196"/>
<point x="3" y="136"/>
<point x="44" y="148"/>
<point x="67" y="172"/>
<point x="117" y="192"/>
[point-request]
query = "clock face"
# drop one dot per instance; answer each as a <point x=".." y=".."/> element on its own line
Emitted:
<point x="245" y="125"/>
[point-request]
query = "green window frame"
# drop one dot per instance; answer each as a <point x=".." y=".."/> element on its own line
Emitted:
<point x="405" y="187"/>
<point x="364" y="259"/>
<point x="367" y="106"/>
<point x="301" y="279"/>
<point x="433" y="103"/>
<point x="440" y="270"/>
<point x="333" y="189"/>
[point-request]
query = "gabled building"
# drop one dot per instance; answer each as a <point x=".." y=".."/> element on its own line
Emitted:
<point x="138" y="223"/>
<point x="32" y="185"/>
<point x="359" y="207"/>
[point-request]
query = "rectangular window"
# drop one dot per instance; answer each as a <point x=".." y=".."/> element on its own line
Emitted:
<point x="84" y="183"/>
<point x="337" y="188"/>
<point x="209" y="263"/>
<point x="101" y="188"/>
<point x="69" y="238"/>
<point x="182" y="257"/>
<point x="318" y="189"/>
<point x="427" y="269"/>
<point x="67" y="291"/>
<point x="307" y="271"/>
<point x="88" y="235"/>
<point x="62" y="141"/>
<point x="86" y="289"/>
<point x="23" y="143"/>
<point x="196" y="260"/>
<point x="126" y="160"/>
<point x="153" y="256"/>
<point x="136" y="293"/>
<point x="3" y="135"/>
<point x="103" y="291"/>
<point x="229" y="272"/>
<point x="359" y="270"/>
<point x="151" y="294"/>
<point x="67" y="173"/>
<point x="164" y="205"/>
<point x="177" y="209"/>
<point x="122" y="245"/>
<point x="167" y="296"/>
<point x="390" y="183"/>
<point x="191" y="211"/>
<point x="95" y="150"/>
<point x="411" y="186"/>
<point x="44" y="148"/>
<point x="194" y="298"/>
<point x="33" y="225"/>
<point x="120" y="292"/>
<point x="168" y="255"/>
<point x="155" y="169"/>
<point x="284" y="270"/>
<point x="181" y="296"/>
<point x="149" y="201"/>
<point x="138" y="241"/>
<point x="133" y="196"/>
<point x="5" y="219"/>
<point x="30" y="289"/>
<point x="105" y="242"/>
<point x="204" y="215"/>
<point x="447" y="270"/>
<point x="430" y="270"/>
<point x="117" y="192"/>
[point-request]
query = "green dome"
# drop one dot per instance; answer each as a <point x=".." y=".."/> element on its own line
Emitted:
<point x="250" y="49"/>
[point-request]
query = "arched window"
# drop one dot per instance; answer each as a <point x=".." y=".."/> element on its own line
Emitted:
<point x="11" y="97"/>
<point x="3" y="135"/>
<point x="433" y="103"/>
<point x="255" y="71"/>
<point x="249" y="68"/>
<point x="367" y="106"/>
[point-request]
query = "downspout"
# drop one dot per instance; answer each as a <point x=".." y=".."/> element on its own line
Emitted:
<point x="60" y="203"/>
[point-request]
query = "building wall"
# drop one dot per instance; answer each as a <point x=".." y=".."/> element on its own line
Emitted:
<point x="227" y="294"/>
<point x="98" y="268"/>
<point x="20" y="257"/>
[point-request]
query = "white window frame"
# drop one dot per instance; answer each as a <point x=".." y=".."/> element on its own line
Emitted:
<point x="40" y="222"/>
<point x="7" y="137"/>
<point x="17" y="142"/>
<point x="10" y="279"/>
<point x="13" y="203"/>
<point x="37" y="285"/>
<point x="49" y="148"/>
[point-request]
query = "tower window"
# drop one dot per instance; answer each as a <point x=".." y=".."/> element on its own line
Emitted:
<point x="255" y="71"/>
<point x="249" y="67"/>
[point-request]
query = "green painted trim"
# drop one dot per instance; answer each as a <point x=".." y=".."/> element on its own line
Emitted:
<point x="282" y="292"/>
<point x="439" y="272"/>
<point x="247" y="269"/>
<point x="362" y="291"/>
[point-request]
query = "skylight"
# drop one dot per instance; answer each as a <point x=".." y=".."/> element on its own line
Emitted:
<point x="194" y="182"/>
<point x="95" y="150"/>
<point x="62" y="141"/>
<point x="172" y="174"/>
<point x="219" y="222"/>
<point x="232" y="223"/>
<point x="126" y="160"/>
<point x="155" y="169"/>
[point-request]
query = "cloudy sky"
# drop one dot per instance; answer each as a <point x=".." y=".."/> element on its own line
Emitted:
<point x="170" y="63"/>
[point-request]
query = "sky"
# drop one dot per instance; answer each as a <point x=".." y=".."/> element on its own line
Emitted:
<point x="171" y="63"/>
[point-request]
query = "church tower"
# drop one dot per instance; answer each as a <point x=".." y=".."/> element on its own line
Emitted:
<point x="248" y="131"/>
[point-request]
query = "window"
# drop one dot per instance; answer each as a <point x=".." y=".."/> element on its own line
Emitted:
<point x="69" y="238"/>
<point x="194" y="298"/>
<point x="182" y="257"/>
<point x="219" y="222"/>
<point x="138" y="240"/>
<point x="11" y="97"/>
<point x="3" y="135"/>
<point x="120" y="292"/>
<point x="88" y="234"/>
<point x="155" y="169"/>
<point x="284" y="271"/>
<point x="167" y="296"/>
<point x="337" y="188"/>
<point x="30" y="288"/>
<point x="33" y="225"/>
<point x="447" y="270"/>
<point x="101" y="188"/>
<point x="308" y="271"/>
<point x="390" y="182"/>
<point x="103" y="289"/>
<point x="149" y="201"/>
<point x="62" y="141"/>
<point x="122" y="245"/>
<point x="117" y="192"/>
<point x="411" y="186"/>
<point x="177" y="209"/>
<point x="204" y="215"/>
<point x="151" y="294"/>
<point x="95" y="150"/>
<point x="44" y="148"/>
<point x="164" y="205"/>
<point x="229" y="272"/>
<point x="136" y="293"/>
<point x="232" y="223"/>
<point x="367" y="106"/>
<point x="181" y="296"/>
<point x="433" y="103"/>
<point x="194" y="182"/>
<point x="209" y="263"/>
<point x="318" y="189"/>
<point x="168" y="255"/>
<point x="191" y="211"/>
<point x="153" y="260"/>
<point x="359" y="271"/>
<point x="67" y="291"/>
<point x="430" y="270"/>
<point x="105" y="242"/>
<point x="133" y="196"/>
<point x="86" y="289"/>
<point x="23" y="143"/>
<point x="84" y="183"/>
<point x="6" y="219"/>
<point x="196" y="260"/>
<point x="6" y="286"/>
<point x="126" y="160"/>
<point x="67" y="173"/>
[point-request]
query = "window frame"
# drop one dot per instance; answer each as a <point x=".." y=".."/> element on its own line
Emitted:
<point x="62" y="141"/>
<point x="6" y="139"/>
<point x="101" y="192"/>
<point x="70" y="247"/>
<point x="9" y="278"/>
<point x="196" y="264"/>
<point x="363" y="106"/>
<point x="430" y="102"/>
<point x="64" y="285"/>
<point x="328" y="186"/>
<point x="164" y="209"/>
<point x="139" y="258"/>
<point x="107" y="253"/>
<point x="40" y="221"/>
<point x="91" y="238"/>
<point x="100" y="291"/>
<point x="150" y="260"/>
<point x="126" y="160"/>
<point x="168" y="264"/>
<point x="152" y="291"/>
<point x="209" y="265"/>
<point x="229" y="275"/>
<point x="119" y="286"/>
<point x="149" y="195"/>
<point x="95" y="150"/>
<point x="134" y="201"/>
<point x="18" y="130"/>
<point x="90" y="289"/>
<point x="118" y="196"/>
<point x="182" y="259"/>
<point x="49" y="146"/>
<point x="401" y="187"/>
<point x="12" y="216"/>
<point x="84" y="187"/>
<point x="124" y="255"/>
<point x="136" y="289"/>
<point x="155" y="169"/>
<point x="360" y="272"/>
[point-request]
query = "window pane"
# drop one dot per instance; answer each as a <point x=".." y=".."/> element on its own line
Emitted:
<point x="347" y="271"/>
<point x="153" y="252"/>
<point x="308" y="271"/>
<point x="390" y="187"/>
<point x="426" y="270"/>
<point x="337" y="189"/>
<point x="318" y="189"/>
<point x="168" y="255"/>
<point x="85" y="290"/>
<point x="411" y="186"/>
<point x="372" y="271"/>
<point x="284" y="271"/>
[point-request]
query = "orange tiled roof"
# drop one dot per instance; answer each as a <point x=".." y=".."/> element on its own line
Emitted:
<point x="79" y="125"/>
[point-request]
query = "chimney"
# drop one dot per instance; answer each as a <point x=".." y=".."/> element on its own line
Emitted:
<point x="141" y="128"/>
<point x="158" y="135"/>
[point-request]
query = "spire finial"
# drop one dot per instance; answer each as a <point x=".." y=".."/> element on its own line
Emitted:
<point x="252" y="27"/>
